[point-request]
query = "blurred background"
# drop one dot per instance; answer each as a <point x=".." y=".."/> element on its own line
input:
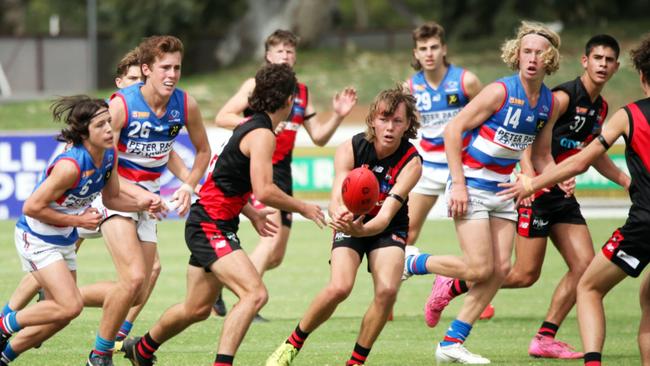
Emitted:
<point x="61" y="47"/>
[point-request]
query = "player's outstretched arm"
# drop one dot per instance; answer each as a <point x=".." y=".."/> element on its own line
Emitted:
<point x="342" y="104"/>
<point x="230" y="115"/>
<point x="259" y="145"/>
<point x="579" y="163"/>
<point x="117" y="199"/>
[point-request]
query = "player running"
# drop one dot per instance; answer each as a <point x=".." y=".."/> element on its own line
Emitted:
<point x="503" y="120"/>
<point x="380" y="235"/>
<point x="211" y="228"/>
<point x="46" y="232"/>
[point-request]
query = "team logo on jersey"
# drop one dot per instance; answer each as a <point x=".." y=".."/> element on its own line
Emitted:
<point x="174" y="115"/>
<point x="436" y="98"/>
<point x="139" y="115"/>
<point x="540" y="124"/>
<point x="451" y="86"/>
<point x="452" y="99"/>
<point x="174" y="130"/>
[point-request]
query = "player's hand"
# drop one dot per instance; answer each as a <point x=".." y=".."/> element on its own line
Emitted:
<point x="342" y="214"/>
<point x="182" y="198"/>
<point x="155" y="206"/>
<point x="519" y="189"/>
<point x="344" y="101"/>
<point x="262" y="223"/>
<point x="314" y="213"/>
<point x="349" y="227"/>
<point x="568" y="186"/>
<point x="89" y="219"/>
<point x="458" y="199"/>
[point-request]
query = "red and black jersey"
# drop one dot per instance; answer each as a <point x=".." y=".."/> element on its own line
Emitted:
<point x="576" y="128"/>
<point x="581" y="122"/>
<point x="386" y="170"/>
<point x="228" y="188"/>
<point x="637" y="152"/>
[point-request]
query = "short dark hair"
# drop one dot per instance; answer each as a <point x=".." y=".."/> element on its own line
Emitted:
<point x="132" y="58"/>
<point x="274" y="83"/>
<point x="157" y="46"/>
<point x="281" y="36"/>
<point x="386" y="103"/>
<point x="604" y="40"/>
<point x="641" y="58"/>
<point x="76" y="112"/>
<point x="425" y="31"/>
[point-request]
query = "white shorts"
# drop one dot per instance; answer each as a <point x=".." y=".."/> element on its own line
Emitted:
<point x="36" y="254"/>
<point x="485" y="204"/>
<point x="146" y="225"/>
<point x="432" y="181"/>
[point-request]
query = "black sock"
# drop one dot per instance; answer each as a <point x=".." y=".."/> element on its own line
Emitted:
<point x="297" y="338"/>
<point x="359" y="355"/>
<point x="548" y="329"/>
<point x="593" y="358"/>
<point x="223" y="360"/>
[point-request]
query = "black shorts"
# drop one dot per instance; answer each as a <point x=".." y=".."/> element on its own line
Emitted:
<point x="282" y="178"/>
<point x="629" y="246"/>
<point x="207" y="239"/>
<point x="536" y="221"/>
<point x="365" y="245"/>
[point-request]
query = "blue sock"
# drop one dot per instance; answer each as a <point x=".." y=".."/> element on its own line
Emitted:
<point x="124" y="331"/>
<point x="457" y="333"/>
<point x="8" y="354"/>
<point x="103" y="346"/>
<point x="417" y="264"/>
<point x="6" y="309"/>
<point x="10" y="324"/>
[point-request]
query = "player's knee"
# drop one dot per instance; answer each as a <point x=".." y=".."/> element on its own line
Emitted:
<point x="481" y="273"/>
<point x="260" y="296"/>
<point x="339" y="292"/>
<point x="386" y="295"/>
<point x="133" y="283"/>
<point x="275" y="259"/>
<point x="155" y="271"/>
<point x="199" y="313"/>
<point x="68" y="311"/>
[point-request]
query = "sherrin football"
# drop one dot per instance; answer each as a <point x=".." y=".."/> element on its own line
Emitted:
<point x="360" y="190"/>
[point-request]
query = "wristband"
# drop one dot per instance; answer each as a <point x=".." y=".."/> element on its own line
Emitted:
<point x="397" y="197"/>
<point x="526" y="182"/>
<point x="603" y="142"/>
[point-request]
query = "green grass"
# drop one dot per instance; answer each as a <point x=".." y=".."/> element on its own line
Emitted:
<point x="327" y="71"/>
<point x="404" y="341"/>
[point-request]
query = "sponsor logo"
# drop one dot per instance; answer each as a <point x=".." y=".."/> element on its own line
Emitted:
<point x="436" y="98"/>
<point x="540" y="124"/>
<point x="513" y="140"/>
<point x="378" y="169"/>
<point x="419" y="87"/>
<point x="174" y="115"/>
<point x="516" y="101"/>
<point x="87" y="173"/>
<point x="530" y="118"/>
<point x="539" y="223"/>
<point x="523" y="225"/>
<point x="139" y="115"/>
<point x="107" y="175"/>
<point x="545" y="109"/>
<point x="591" y="112"/>
<point x="582" y="110"/>
<point x="149" y="149"/>
<point x="452" y="99"/>
<point x="451" y="85"/>
<point x="630" y="260"/>
<point x="174" y="130"/>
<point x="571" y="144"/>
<point x="340" y="236"/>
<point x="398" y="239"/>
<point x="297" y="100"/>
<point x="438" y="118"/>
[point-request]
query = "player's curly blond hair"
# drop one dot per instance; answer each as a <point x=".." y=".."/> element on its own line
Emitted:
<point x="510" y="48"/>
<point x="386" y="103"/>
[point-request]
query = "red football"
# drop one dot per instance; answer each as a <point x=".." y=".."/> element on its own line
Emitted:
<point x="360" y="190"/>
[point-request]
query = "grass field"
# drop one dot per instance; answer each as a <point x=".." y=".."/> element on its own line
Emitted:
<point x="404" y="341"/>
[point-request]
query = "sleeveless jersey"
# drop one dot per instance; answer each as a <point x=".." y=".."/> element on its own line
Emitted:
<point x="386" y="171"/>
<point x="146" y="140"/>
<point x="581" y="122"/>
<point x="75" y="200"/>
<point x="637" y="154"/>
<point x="437" y="106"/>
<point x="575" y="129"/>
<point x="228" y="187"/>
<point x="497" y="144"/>
<point x="286" y="138"/>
